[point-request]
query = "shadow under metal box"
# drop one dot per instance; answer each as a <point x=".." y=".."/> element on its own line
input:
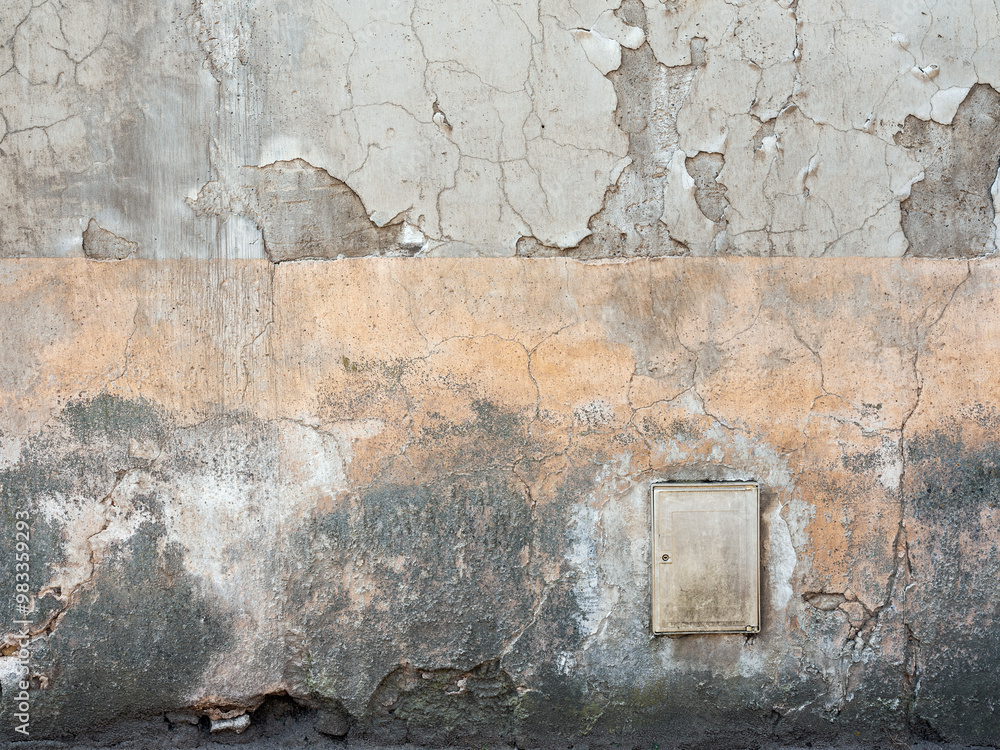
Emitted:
<point x="706" y="558"/>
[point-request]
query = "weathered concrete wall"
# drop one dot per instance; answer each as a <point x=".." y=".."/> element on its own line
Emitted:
<point x="210" y="128"/>
<point x="272" y="471"/>
<point x="415" y="493"/>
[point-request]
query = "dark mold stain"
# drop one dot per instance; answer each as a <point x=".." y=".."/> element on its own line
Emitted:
<point x="137" y="635"/>
<point x="136" y="641"/>
<point x="419" y="610"/>
<point x="953" y="492"/>
<point x="444" y="577"/>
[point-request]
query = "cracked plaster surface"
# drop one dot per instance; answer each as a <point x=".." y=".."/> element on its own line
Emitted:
<point x="408" y="105"/>
<point x="804" y="99"/>
<point x="447" y="428"/>
<point x="558" y="124"/>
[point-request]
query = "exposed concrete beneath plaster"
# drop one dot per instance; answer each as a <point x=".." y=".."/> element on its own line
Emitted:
<point x="650" y="96"/>
<point x="950" y="212"/>
<point x="100" y="244"/>
<point x="303" y="212"/>
<point x="704" y="169"/>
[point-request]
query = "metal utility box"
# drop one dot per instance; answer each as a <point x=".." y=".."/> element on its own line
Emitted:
<point x="706" y="558"/>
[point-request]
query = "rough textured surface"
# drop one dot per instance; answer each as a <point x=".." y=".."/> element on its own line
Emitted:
<point x="950" y="212"/>
<point x="100" y="244"/>
<point x="594" y="138"/>
<point x="287" y="486"/>
<point x="412" y="496"/>
<point x="303" y="212"/>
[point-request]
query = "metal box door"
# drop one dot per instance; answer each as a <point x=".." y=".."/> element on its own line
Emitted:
<point x="706" y="558"/>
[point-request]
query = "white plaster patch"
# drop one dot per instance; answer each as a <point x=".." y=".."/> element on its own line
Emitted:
<point x="613" y="27"/>
<point x="892" y="471"/>
<point x="582" y="556"/>
<point x="604" y="53"/>
<point x="10" y="452"/>
<point x="751" y="663"/>
<point x="411" y="238"/>
<point x="90" y="526"/>
<point x="212" y="514"/>
<point x="605" y="568"/>
<point x="945" y="103"/>
<point x="781" y="559"/>
<point x="995" y="194"/>
<point x="10" y="674"/>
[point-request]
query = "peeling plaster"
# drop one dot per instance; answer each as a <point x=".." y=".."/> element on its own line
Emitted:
<point x="951" y="211"/>
<point x="563" y="149"/>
